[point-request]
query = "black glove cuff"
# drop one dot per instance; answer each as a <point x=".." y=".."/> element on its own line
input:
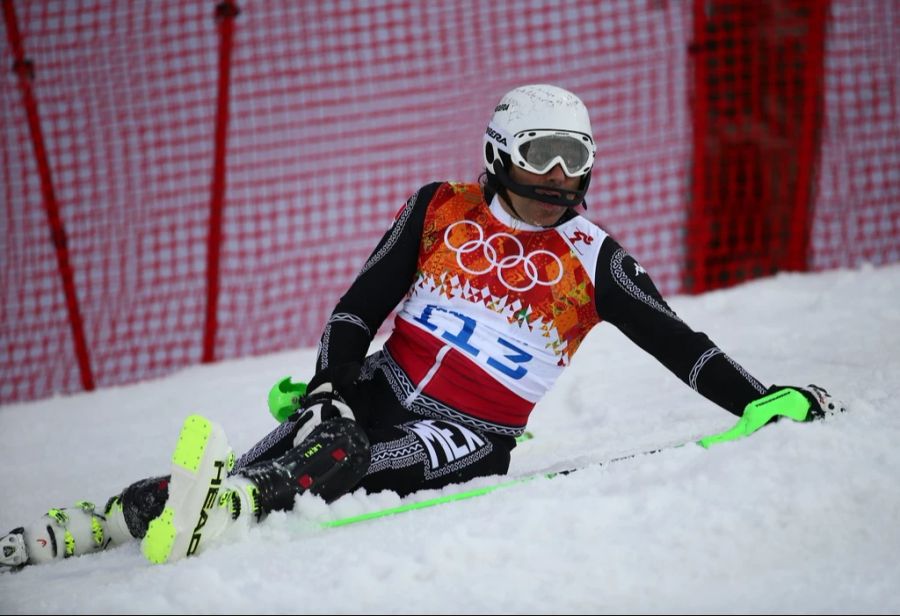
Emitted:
<point x="342" y="378"/>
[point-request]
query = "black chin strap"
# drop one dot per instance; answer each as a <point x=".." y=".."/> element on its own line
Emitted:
<point x="566" y="198"/>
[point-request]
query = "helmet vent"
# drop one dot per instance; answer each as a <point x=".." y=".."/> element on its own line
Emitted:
<point x="489" y="153"/>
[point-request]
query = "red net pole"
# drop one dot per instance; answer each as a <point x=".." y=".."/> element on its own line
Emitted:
<point x="699" y="222"/>
<point x="810" y="140"/>
<point x="757" y="112"/>
<point x="225" y="13"/>
<point x="24" y="68"/>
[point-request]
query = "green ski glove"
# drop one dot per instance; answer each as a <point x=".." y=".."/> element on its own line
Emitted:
<point x="796" y="403"/>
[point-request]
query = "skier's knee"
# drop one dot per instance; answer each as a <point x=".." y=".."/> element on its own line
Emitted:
<point x="329" y="462"/>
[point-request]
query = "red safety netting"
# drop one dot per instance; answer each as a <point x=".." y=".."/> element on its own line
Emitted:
<point x="337" y="113"/>
<point x="857" y="207"/>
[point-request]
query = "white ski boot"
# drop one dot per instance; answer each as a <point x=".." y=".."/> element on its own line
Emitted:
<point x="203" y="503"/>
<point x="62" y="533"/>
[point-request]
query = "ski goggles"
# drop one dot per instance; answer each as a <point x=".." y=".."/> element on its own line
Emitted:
<point x="538" y="151"/>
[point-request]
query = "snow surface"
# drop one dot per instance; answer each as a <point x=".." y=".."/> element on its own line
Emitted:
<point x="798" y="518"/>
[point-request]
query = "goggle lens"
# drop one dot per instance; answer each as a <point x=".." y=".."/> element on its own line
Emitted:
<point x="542" y="152"/>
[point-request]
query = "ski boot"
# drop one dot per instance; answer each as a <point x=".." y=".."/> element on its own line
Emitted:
<point x="62" y="533"/>
<point x="205" y="502"/>
<point x="200" y="463"/>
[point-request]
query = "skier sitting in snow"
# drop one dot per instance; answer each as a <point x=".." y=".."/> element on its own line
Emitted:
<point x="497" y="284"/>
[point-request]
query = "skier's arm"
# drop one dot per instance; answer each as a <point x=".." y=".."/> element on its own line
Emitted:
<point x="627" y="298"/>
<point x="381" y="284"/>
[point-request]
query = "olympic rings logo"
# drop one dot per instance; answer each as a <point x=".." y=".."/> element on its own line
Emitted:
<point x="489" y="255"/>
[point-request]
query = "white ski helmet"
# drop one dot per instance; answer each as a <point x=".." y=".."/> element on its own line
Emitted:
<point x="537" y="127"/>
